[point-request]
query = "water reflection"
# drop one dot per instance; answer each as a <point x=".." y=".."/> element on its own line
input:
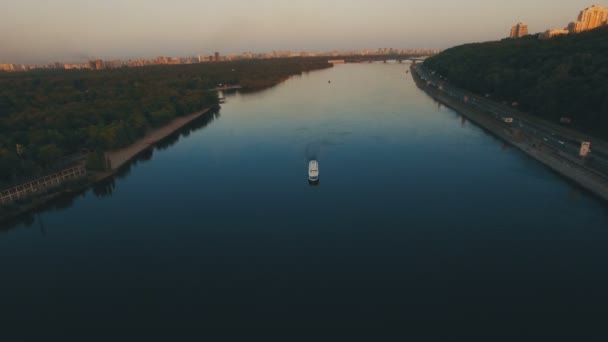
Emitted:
<point x="42" y="229"/>
<point x="195" y="125"/>
<point x="61" y="202"/>
<point x="258" y="91"/>
<point x="106" y="187"/>
<point x="313" y="183"/>
<point x="574" y="193"/>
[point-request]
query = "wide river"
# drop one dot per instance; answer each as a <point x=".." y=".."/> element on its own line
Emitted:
<point x="420" y="219"/>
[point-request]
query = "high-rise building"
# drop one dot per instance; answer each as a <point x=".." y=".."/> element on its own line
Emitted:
<point x="519" y="30"/>
<point x="589" y="19"/>
<point x="216" y="57"/>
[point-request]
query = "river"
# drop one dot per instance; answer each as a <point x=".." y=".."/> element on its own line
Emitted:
<point x="420" y="219"/>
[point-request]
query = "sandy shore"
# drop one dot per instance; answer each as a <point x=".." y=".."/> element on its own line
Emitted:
<point x="593" y="182"/>
<point x="122" y="156"/>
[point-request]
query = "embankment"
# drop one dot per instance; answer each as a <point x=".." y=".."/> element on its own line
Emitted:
<point x="118" y="159"/>
<point x="590" y="181"/>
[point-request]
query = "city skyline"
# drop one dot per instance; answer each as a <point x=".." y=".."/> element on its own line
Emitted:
<point x="76" y="31"/>
<point x="99" y="64"/>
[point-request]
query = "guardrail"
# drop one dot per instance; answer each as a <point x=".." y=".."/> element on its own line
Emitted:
<point x="35" y="186"/>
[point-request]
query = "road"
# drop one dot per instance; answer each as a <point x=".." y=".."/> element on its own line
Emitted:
<point x="563" y="141"/>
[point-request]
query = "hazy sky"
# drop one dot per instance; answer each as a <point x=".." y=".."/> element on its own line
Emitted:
<point x="75" y="30"/>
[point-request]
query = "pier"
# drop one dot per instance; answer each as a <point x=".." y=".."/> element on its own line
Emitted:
<point x="227" y="88"/>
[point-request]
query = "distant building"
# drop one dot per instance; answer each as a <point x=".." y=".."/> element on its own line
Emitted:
<point x="519" y="30"/>
<point x="553" y="33"/>
<point x="71" y="66"/>
<point x="589" y="19"/>
<point x="7" y="67"/>
<point x="97" y="65"/>
<point x="117" y="63"/>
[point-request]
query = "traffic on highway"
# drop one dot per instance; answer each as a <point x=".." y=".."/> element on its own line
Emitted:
<point x="564" y="145"/>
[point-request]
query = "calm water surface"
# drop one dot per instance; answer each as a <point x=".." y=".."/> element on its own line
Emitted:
<point x="420" y="219"/>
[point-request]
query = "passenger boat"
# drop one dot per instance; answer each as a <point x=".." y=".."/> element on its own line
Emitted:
<point x="313" y="171"/>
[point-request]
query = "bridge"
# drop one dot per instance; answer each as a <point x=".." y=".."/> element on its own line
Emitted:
<point x="385" y="58"/>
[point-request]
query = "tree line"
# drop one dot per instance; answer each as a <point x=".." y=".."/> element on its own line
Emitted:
<point x="563" y="77"/>
<point x="48" y="114"/>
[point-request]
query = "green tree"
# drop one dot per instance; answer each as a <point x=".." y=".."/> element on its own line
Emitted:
<point x="49" y="154"/>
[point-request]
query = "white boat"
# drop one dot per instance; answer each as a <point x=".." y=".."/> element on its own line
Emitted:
<point x="313" y="171"/>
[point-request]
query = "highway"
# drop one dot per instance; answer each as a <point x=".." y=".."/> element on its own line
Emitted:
<point x="543" y="135"/>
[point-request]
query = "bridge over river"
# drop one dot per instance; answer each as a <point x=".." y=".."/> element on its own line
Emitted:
<point x="384" y="58"/>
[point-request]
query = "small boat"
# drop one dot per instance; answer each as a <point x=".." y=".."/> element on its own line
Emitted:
<point x="313" y="171"/>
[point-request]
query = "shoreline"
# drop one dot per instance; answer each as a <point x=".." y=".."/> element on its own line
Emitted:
<point x="123" y="156"/>
<point x="591" y="182"/>
<point x="118" y="159"/>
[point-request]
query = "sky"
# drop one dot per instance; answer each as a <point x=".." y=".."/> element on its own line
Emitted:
<point x="41" y="31"/>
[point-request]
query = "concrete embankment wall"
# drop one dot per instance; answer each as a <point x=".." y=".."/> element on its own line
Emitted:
<point x="588" y="179"/>
<point x="53" y="180"/>
<point x="120" y="157"/>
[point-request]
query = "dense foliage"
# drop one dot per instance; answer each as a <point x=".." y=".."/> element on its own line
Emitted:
<point x="51" y="114"/>
<point x="566" y="76"/>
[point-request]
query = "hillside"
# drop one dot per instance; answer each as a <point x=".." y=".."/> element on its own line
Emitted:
<point x="566" y="76"/>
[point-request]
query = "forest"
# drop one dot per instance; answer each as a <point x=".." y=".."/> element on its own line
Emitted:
<point x="563" y="77"/>
<point x="49" y="114"/>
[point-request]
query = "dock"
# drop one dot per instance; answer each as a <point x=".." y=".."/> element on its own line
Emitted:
<point x="227" y="88"/>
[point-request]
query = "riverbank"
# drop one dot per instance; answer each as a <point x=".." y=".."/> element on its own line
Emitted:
<point x="120" y="157"/>
<point x="12" y="213"/>
<point x="117" y="159"/>
<point x="587" y="179"/>
<point x="252" y="75"/>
